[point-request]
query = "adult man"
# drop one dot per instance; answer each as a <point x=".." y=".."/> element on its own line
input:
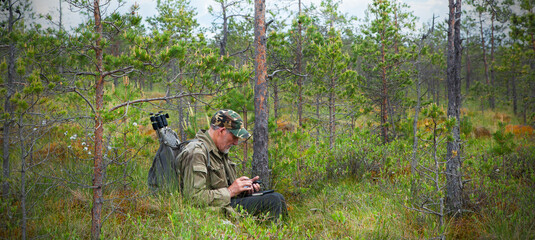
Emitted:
<point x="209" y="178"/>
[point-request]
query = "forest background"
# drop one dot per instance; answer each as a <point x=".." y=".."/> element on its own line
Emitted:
<point x="359" y="132"/>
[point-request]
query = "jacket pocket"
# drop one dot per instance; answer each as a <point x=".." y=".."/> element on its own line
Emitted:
<point x="218" y="179"/>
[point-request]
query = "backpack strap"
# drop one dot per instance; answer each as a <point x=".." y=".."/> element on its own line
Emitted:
<point x="207" y="155"/>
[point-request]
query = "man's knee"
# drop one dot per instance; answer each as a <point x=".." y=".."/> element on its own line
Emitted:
<point x="276" y="199"/>
<point x="277" y="204"/>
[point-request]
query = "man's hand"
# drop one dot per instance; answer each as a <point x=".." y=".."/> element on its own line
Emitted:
<point x="243" y="184"/>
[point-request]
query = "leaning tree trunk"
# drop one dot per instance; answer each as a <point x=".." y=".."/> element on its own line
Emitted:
<point x="260" y="135"/>
<point x="453" y="164"/>
<point x="96" y="220"/>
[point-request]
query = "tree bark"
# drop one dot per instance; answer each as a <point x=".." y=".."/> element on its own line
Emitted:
<point x="414" y="162"/>
<point x="468" y="67"/>
<point x="484" y="48"/>
<point x="181" y="120"/>
<point x="492" y="71"/>
<point x="8" y="108"/>
<point x="245" y="144"/>
<point x="513" y="87"/>
<point x="60" y="16"/>
<point x="223" y="42"/>
<point x="384" y="100"/>
<point x="332" y="112"/>
<point x="23" y="153"/>
<point x="318" y="117"/>
<point x="453" y="164"/>
<point x="276" y="101"/>
<point x="300" y="69"/>
<point x="96" y="219"/>
<point x="260" y="165"/>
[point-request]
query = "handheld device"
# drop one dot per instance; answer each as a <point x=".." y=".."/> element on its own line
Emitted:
<point x="262" y="192"/>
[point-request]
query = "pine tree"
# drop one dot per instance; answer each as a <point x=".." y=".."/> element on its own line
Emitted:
<point x="260" y="135"/>
<point x="383" y="52"/>
<point x="330" y="72"/>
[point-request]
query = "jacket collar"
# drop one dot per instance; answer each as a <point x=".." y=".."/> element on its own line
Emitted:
<point x="209" y="142"/>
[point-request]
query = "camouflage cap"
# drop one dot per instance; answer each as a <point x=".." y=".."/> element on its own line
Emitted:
<point x="231" y="121"/>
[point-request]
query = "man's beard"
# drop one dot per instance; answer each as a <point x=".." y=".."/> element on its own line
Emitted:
<point x="227" y="150"/>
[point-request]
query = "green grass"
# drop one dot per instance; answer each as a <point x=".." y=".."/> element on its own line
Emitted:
<point x="359" y="191"/>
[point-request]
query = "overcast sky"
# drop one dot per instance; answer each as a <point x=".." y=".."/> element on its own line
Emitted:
<point x="423" y="9"/>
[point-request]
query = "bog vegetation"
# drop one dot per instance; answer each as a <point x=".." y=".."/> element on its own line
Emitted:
<point x="358" y="122"/>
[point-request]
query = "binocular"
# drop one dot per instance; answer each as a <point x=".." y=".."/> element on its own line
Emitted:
<point x="159" y="120"/>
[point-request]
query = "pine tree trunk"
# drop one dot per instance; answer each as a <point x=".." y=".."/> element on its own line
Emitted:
<point x="453" y="164"/>
<point x="223" y="42"/>
<point x="318" y="116"/>
<point x="468" y="67"/>
<point x="492" y="72"/>
<point x="181" y="119"/>
<point x="384" y="100"/>
<point x="299" y="70"/>
<point x="513" y="88"/>
<point x="276" y="101"/>
<point x="8" y="108"/>
<point x="484" y="48"/>
<point x="24" y="218"/>
<point x="96" y="221"/>
<point x="414" y="162"/>
<point x="245" y="156"/>
<point x="437" y="91"/>
<point x="260" y="165"/>
<point x="332" y="111"/>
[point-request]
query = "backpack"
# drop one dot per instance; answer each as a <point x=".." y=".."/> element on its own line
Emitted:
<point x="163" y="174"/>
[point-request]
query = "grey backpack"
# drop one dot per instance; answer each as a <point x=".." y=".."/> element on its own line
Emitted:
<point x="163" y="174"/>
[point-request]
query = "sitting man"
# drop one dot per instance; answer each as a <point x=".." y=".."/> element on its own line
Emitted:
<point x="209" y="178"/>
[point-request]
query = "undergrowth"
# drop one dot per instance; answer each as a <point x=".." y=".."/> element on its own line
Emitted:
<point x="359" y="189"/>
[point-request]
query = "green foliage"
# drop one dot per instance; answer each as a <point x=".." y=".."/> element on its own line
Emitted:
<point x="504" y="141"/>
<point x="466" y="126"/>
<point x="356" y="188"/>
<point x="382" y="54"/>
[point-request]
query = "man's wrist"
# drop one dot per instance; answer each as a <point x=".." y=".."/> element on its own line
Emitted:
<point x="230" y="191"/>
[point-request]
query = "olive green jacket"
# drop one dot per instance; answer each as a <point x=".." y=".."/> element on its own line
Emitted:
<point x="202" y="180"/>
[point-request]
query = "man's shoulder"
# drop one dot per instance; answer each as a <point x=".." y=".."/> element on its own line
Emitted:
<point x="191" y="147"/>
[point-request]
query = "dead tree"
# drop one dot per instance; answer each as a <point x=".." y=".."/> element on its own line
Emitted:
<point x="453" y="156"/>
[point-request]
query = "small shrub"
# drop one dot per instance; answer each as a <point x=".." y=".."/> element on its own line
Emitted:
<point x="466" y="126"/>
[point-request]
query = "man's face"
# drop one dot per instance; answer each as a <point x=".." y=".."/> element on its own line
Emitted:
<point x="227" y="140"/>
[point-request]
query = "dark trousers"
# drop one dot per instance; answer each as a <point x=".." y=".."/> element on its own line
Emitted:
<point x="273" y="203"/>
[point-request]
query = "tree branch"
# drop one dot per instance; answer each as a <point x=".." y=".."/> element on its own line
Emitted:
<point x="122" y="70"/>
<point x="81" y="73"/>
<point x="87" y="101"/>
<point x="158" y="99"/>
<point x="240" y="52"/>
